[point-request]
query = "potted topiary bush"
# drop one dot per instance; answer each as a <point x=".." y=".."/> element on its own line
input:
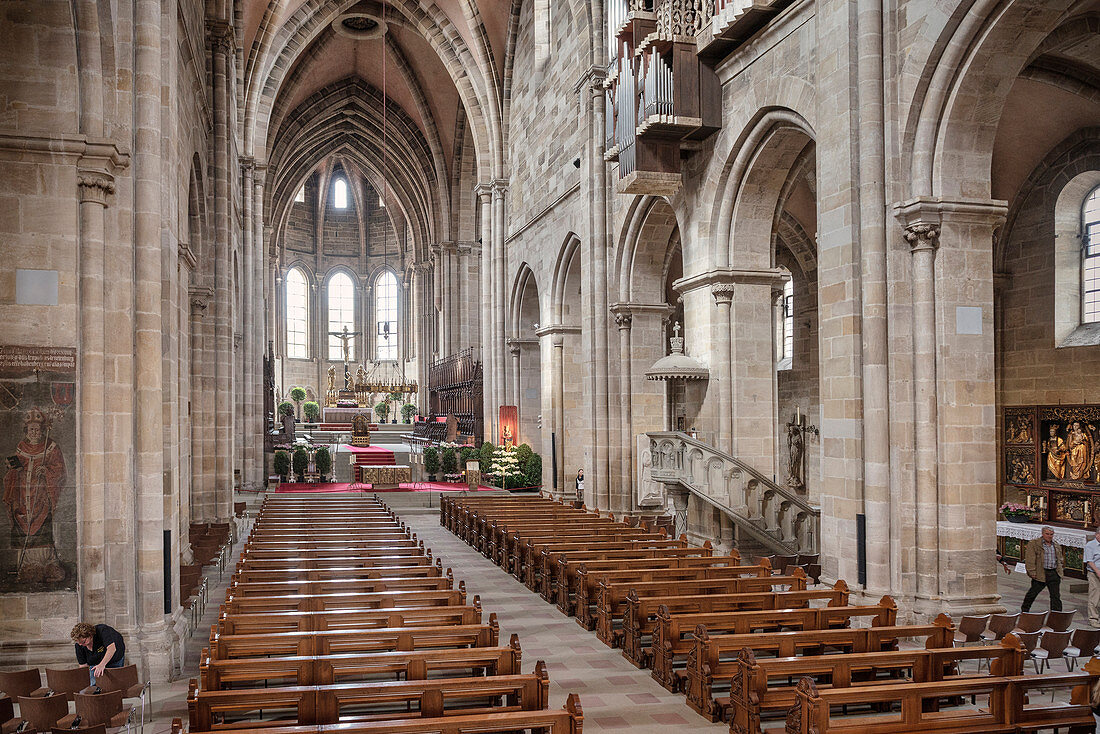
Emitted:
<point x="485" y="457"/>
<point x="431" y="462"/>
<point x="312" y="411"/>
<point x="408" y="410"/>
<point x="394" y="398"/>
<point x="300" y="462"/>
<point x="382" y="409"/>
<point x="298" y="395"/>
<point x="281" y="464"/>
<point x="286" y="408"/>
<point x="450" y="465"/>
<point x="323" y="459"/>
<point x="533" y="471"/>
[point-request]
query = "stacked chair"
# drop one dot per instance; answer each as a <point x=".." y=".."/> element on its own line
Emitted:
<point x="751" y="643"/>
<point x="338" y="616"/>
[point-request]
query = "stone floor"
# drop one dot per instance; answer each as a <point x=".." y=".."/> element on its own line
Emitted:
<point x="615" y="695"/>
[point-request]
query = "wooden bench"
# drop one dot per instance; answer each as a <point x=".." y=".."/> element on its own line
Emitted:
<point x="276" y="622"/>
<point x="758" y="686"/>
<point x="913" y="707"/>
<point x="328" y="555"/>
<point x="377" y="639"/>
<point x="250" y="563"/>
<point x="492" y="531"/>
<point x="568" y="720"/>
<point x="236" y="603"/>
<point x="640" y="616"/>
<point x="216" y="674"/>
<point x="522" y="548"/>
<point x="211" y="710"/>
<point x="568" y="573"/>
<point x="611" y="597"/>
<point x="714" y="657"/>
<point x="300" y="573"/>
<point x="505" y="536"/>
<point x="332" y="586"/>
<point x="539" y="573"/>
<point x="673" y="636"/>
<point x="552" y="565"/>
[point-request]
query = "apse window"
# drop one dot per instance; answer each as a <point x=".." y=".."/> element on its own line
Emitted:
<point x="296" y="315"/>
<point x="300" y="197"/>
<point x="341" y="315"/>
<point x="784" y="327"/>
<point x="386" y="310"/>
<point x="1090" y="256"/>
<point x="340" y="194"/>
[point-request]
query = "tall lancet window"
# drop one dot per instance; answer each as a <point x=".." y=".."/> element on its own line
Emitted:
<point x="385" y="289"/>
<point x="297" y="315"/>
<point x="784" y="327"/>
<point x="340" y="194"/>
<point x="1090" y="257"/>
<point x="341" y="313"/>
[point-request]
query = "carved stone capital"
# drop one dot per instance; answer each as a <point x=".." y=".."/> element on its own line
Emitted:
<point x="483" y="190"/>
<point x="624" y="319"/>
<point x="222" y="37"/>
<point x="514" y="348"/>
<point x="922" y="236"/>
<point x="248" y="164"/>
<point x="723" y="293"/>
<point x="95" y="186"/>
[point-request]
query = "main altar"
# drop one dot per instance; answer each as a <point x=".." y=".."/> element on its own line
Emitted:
<point x="362" y="390"/>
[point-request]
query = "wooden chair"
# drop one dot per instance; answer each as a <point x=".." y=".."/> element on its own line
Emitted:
<point x="1030" y="621"/>
<point x="1058" y="621"/>
<point x="1052" y="646"/>
<point x="103" y="708"/>
<point x="125" y="679"/>
<point x="999" y="626"/>
<point x="8" y="721"/>
<point x="69" y="681"/>
<point x="1082" y="644"/>
<point x="808" y="558"/>
<point x="22" y="683"/>
<point x="45" y="712"/>
<point x="1030" y="641"/>
<point x="97" y="729"/>
<point x="971" y="629"/>
<point x="781" y="562"/>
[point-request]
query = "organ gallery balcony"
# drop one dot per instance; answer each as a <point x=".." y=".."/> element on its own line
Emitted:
<point x="664" y="98"/>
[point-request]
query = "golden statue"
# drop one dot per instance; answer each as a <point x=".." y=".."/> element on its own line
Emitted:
<point x="1056" y="454"/>
<point x="332" y="379"/>
<point x="1080" y="452"/>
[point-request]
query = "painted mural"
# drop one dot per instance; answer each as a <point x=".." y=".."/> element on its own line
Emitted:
<point x="38" y="445"/>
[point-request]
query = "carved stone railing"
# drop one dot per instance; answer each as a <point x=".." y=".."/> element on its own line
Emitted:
<point x="682" y="19"/>
<point x="777" y="517"/>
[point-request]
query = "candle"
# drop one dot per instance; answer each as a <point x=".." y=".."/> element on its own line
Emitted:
<point x="797" y="414"/>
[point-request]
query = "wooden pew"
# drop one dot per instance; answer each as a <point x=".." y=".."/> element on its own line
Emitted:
<point x="710" y="664"/>
<point x="301" y="573"/>
<point x="506" y="536"/>
<point x="611" y="597"/>
<point x="251" y="563"/>
<point x="539" y="571"/>
<point x="217" y="674"/>
<point x="277" y="622"/>
<point x="568" y="572"/>
<point x="492" y="531"/>
<point x="522" y="547"/>
<point x="1013" y="707"/>
<point x="568" y="720"/>
<point x="640" y="616"/>
<point x="212" y="710"/>
<point x="345" y="555"/>
<point x="236" y="603"/>
<point x="332" y="586"/>
<point x="377" y="639"/>
<point x="758" y="686"/>
<point x="552" y="564"/>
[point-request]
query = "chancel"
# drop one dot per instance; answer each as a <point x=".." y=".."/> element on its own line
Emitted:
<point x="406" y="327"/>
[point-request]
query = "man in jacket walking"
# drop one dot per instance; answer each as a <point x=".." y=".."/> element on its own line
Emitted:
<point x="1044" y="562"/>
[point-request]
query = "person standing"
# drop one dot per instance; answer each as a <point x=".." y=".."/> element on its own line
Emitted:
<point x="1092" y="568"/>
<point x="98" y="647"/>
<point x="1044" y="562"/>
<point x="580" y="485"/>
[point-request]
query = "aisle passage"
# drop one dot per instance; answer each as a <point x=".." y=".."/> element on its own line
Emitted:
<point x="615" y="695"/>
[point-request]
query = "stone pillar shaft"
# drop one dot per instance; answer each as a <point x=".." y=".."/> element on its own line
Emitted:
<point x="484" y="195"/>
<point x="223" y="327"/>
<point x="723" y="297"/>
<point x="499" y="295"/>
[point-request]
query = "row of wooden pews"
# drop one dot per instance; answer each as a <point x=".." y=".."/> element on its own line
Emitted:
<point x="755" y="647"/>
<point x="338" y="617"/>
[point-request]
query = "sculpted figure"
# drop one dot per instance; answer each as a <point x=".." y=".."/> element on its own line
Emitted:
<point x="1080" y="452"/>
<point x="795" y="449"/>
<point x="1056" y="454"/>
<point x="332" y="379"/>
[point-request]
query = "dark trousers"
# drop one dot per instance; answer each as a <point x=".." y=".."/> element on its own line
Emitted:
<point x="1053" y="584"/>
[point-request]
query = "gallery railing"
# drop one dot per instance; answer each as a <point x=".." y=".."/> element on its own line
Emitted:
<point x="776" y="517"/>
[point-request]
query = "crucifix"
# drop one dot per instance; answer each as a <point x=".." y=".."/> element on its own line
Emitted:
<point x="345" y="336"/>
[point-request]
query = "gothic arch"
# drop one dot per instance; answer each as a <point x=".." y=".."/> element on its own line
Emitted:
<point x="563" y="272"/>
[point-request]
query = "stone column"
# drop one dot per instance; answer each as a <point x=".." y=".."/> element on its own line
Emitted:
<point x="514" y="350"/>
<point x="441" y="311"/>
<point x="248" y="330"/>
<point x="600" y="477"/>
<point x="500" y="189"/>
<point x="153" y="648"/>
<point x="623" y="319"/>
<point x="485" y="199"/>
<point x="558" y="368"/>
<point x="222" y="46"/>
<point x="462" y="297"/>
<point x="954" y="401"/>
<point x="94" y="187"/>
<point x="201" y="500"/>
<point x="423" y="360"/>
<point x="722" y="369"/>
<point x="259" y="324"/>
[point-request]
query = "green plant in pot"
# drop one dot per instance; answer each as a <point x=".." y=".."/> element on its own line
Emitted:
<point x="394" y="398"/>
<point x="300" y="463"/>
<point x="408" y="410"/>
<point x="1015" y="512"/>
<point x="312" y="411"/>
<point x="382" y="409"/>
<point x="298" y="395"/>
<point x="450" y="465"/>
<point x="323" y="460"/>
<point x="485" y="457"/>
<point x="281" y="464"/>
<point x="431" y="462"/>
<point x="286" y="408"/>
<point x="533" y="471"/>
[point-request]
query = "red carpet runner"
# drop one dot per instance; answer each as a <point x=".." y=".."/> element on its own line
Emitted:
<point x="371" y="455"/>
